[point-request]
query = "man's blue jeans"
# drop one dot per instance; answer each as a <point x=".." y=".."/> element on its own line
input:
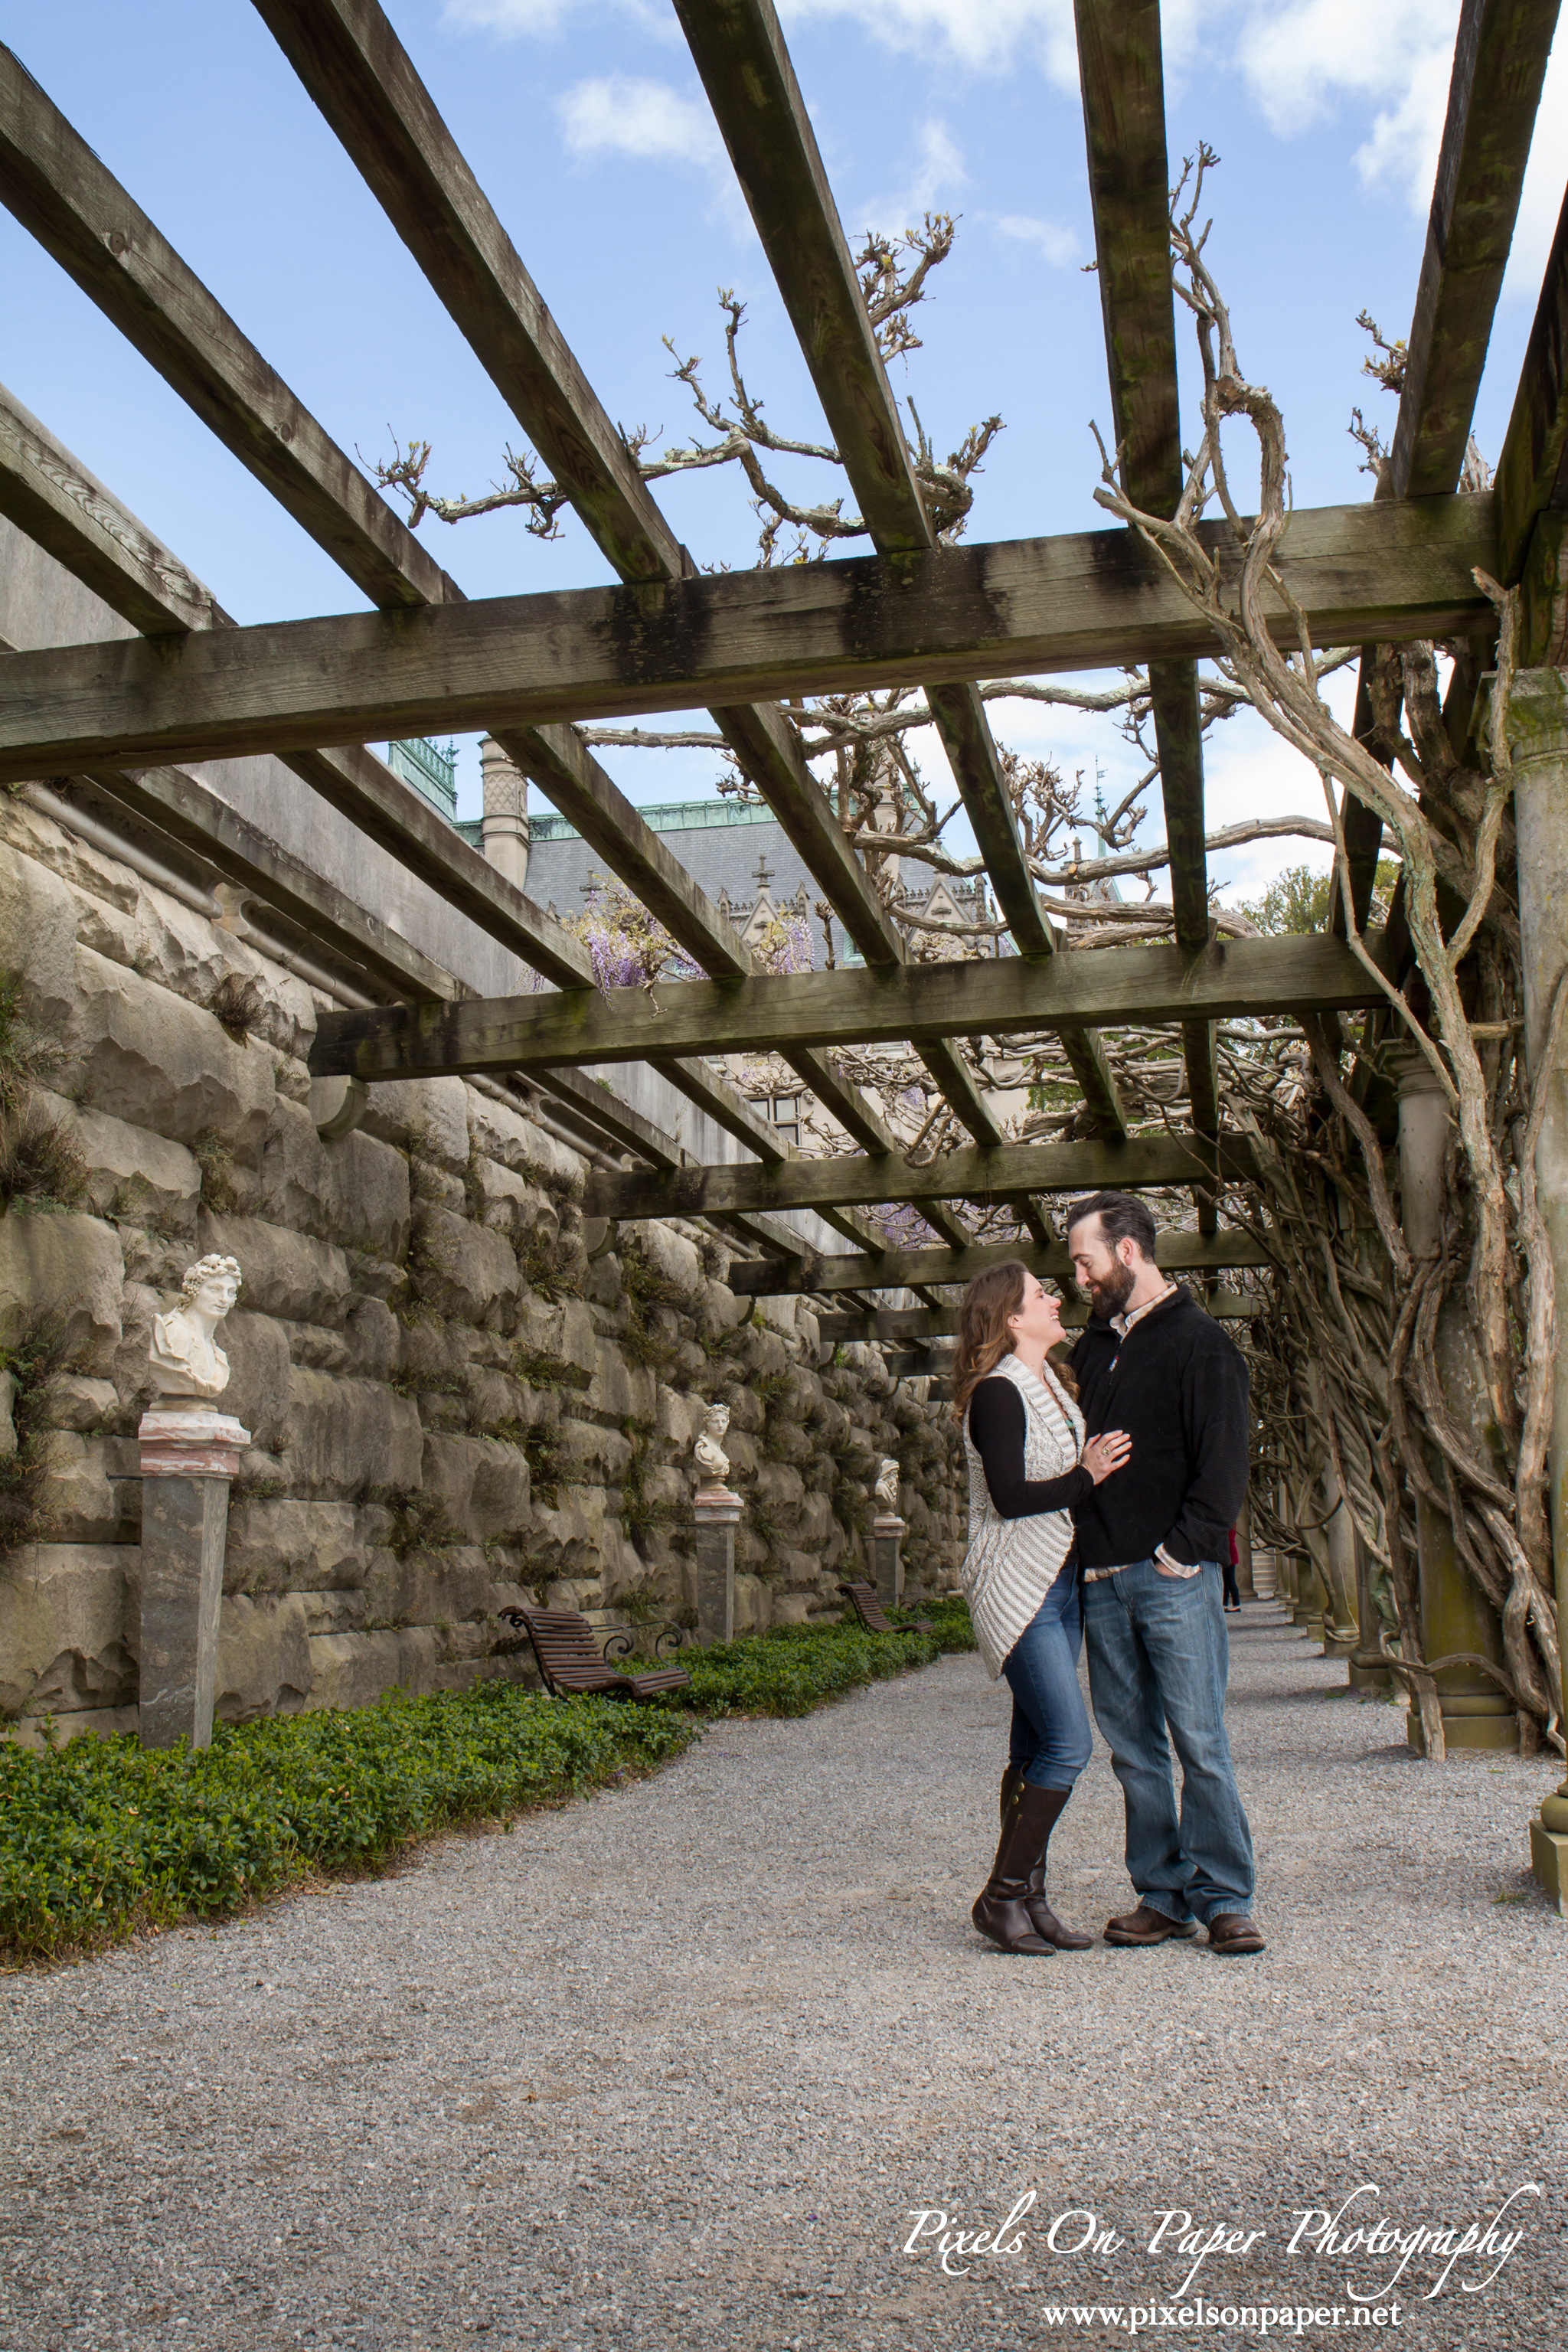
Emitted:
<point x="1158" y="1659"/>
<point x="1051" y="1738"/>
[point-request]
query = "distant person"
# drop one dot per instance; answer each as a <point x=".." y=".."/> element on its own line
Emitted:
<point x="1150" y="1544"/>
<point x="1229" y="1564"/>
<point x="1028" y="1463"/>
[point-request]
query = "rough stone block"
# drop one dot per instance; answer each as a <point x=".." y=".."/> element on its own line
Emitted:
<point x="132" y="1175"/>
<point x="348" y="1437"/>
<point x="480" y="1484"/>
<point x="354" y="1669"/>
<point x="291" y="1275"/>
<point x="141" y="1053"/>
<point x="464" y="1270"/>
<point x="677" y="1417"/>
<point x="80" y="1502"/>
<point x="428" y="1115"/>
<point x="264" y="1658"/>
<point x="373" y="1338"/>
<point x="76" y="1403"/>
<point x="503" y="1134"/>
<point x="38" y="924"/>
<point x="555" y="1345"/>
<point x="278" y="1543"/>
<point x="442" y="1588"/>
<point x="669" y="1255"/>
<point x="64" y="1266"/>
<point x="7" y="1405"/>
<point x="67" y="1621"/>
<point x="621" y="1390"/>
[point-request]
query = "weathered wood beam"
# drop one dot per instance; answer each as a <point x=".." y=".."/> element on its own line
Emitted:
<point x="1178" y="1252"/>
<point x="1001" y="997"/>
<point x="1500" y="63"/>
<point x="1494" y="93"/>
<point x="897" y="1323"/>
<point x="980" y="1176"/>
<point x="1533" y="472"/>
<point x="1091" y="599"/>
<point x="352" y="64"/>
<point x="741" y="54"/>
<point x="1122" y="72"/>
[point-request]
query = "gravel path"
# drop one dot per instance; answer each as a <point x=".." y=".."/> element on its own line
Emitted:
<point x="677" y="2066"/>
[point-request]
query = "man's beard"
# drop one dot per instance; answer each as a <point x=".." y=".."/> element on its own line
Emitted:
<point x="1113" y="1290"/>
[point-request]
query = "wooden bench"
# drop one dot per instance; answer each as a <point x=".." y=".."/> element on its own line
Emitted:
<point x="570" y="1658"/>
<point x="862" y="1599"/>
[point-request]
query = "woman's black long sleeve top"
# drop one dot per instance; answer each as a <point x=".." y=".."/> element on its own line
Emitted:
<point x="997" y="1424"/>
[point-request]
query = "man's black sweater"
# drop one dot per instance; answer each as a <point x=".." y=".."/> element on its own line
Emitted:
<point x="1178" y="1387"/>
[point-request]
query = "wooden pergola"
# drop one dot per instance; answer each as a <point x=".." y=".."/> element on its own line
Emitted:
<point x="191" y="686"/>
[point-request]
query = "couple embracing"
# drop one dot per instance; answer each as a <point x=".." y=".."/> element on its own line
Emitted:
<point x="1101" y="1499"/>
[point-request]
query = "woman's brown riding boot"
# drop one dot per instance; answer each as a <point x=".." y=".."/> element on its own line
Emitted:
<point x="1045" y="1923"/>
<point x="1042" y="1918"/>
<point x="1002" y="1912"/>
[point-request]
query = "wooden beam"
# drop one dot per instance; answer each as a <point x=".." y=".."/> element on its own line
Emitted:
<point x="1532" y="470"/>
<point x="1178" y="1252"/>
<point x="1004" y="996"/>
<point x="1088" y="600"/>
<point x="741" y="54"/>
<point x="351" y="62"/>
<point x="897" y="1323"/>
<point x="1494" y="92"/>
<point x="1121" y="73"/>
<point x="1500" y="63"/>
<point x="978" y="1176"/>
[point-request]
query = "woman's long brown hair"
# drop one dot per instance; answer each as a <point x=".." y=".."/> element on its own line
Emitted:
<point x="983" y="1335"/>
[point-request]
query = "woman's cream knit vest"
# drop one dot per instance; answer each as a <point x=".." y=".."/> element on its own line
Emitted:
<point x="1012" y="1564"/>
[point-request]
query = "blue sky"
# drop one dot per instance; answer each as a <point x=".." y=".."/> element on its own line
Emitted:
<point x="585" y="123"/>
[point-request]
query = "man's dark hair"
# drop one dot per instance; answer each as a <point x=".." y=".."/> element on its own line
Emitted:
<point x="1122" y="1218"/>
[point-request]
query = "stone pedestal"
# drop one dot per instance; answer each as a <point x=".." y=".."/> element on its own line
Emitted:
<point x="1311" y="1599"/>
<point x="188" y="1458"/>
<point x="1454" y="1614"/>
<point x="1341" y="1629"/>
<point x="1369" y="1618"/>
<point x="1537" y="742"/>
<point x="888" y="1533"/>
<point x="718" y="1516"/>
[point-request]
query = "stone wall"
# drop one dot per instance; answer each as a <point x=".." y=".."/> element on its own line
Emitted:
<point x="454" y="1406"/>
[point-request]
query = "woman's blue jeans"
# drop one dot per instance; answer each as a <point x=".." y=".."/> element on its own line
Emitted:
<point x="1051" y="1738"/>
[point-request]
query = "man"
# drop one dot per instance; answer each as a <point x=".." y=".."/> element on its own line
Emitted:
<point x="1151" y="1541"/>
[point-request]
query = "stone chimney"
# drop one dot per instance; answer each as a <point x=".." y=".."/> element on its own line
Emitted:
<point x="505" y="821"/>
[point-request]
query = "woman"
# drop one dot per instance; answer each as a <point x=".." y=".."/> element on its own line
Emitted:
<point x="1028" y="1465"/>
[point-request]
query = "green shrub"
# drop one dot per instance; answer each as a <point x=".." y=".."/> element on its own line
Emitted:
<point x="101" y="1837"/>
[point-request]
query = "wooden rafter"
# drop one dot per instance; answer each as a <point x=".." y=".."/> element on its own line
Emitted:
<point x="1001" y="997"/>
<point x="741" y="55"/>
<point x="1494" y="93"/>
<point x="351" y="61"/>
<point x="1091" y="599"/>
<point x="1179" y="1253"/>
<point x="1083" y="1166"/>
<point x="1120" y="69"/>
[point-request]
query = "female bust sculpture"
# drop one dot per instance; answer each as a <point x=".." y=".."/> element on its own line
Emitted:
<point x="887" y="1485"/>
<point x="186" y="1357"/>
<point x="712" y="1462"/>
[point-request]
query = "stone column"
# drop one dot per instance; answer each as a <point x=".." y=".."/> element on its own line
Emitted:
<point x="1243" y="1578"/>
<point x="888" y="1533"/>
<point x="1340" y="1631"/>
<point x="1369" y="1617"/>
<point x="188" y="1458"/>
<point x="504" y="826"/>
<point x="1538" y="741"/>
<point x="1311" y="1597"/>
<point x="718" y="1516"/>
<point x="1454" y="1614"/>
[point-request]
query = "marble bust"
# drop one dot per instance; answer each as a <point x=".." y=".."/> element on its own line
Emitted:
<point x="888" y="1486"/>
<point x="186" y="1359"/>
<point x="712" y="1462"/>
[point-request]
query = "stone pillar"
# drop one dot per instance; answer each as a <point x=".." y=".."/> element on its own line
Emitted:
<point x="1454" y="1614"/>
<point x="1538" y="741"/>
<point x="887" y="1532"/>
<point x="718" y="1516"/>
<point x="1340" y="1631"/>
<point x="1311" y="1597"/>
<point x="1244" y="1584"/>
<point x="1369" y="1618"/>
<point x="188" y="1458"/>
<point x="504" y="826"/>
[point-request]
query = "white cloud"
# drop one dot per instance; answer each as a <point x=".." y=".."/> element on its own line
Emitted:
<point x="935" y="170"/>
<point x="508" y="16"/>
<point x="1542" y="200"/>
<point x="1303" y="61"/>
<point x="984" y="35"/>
<point x="617" y="114"/>
<point x="1059" y="245"/>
